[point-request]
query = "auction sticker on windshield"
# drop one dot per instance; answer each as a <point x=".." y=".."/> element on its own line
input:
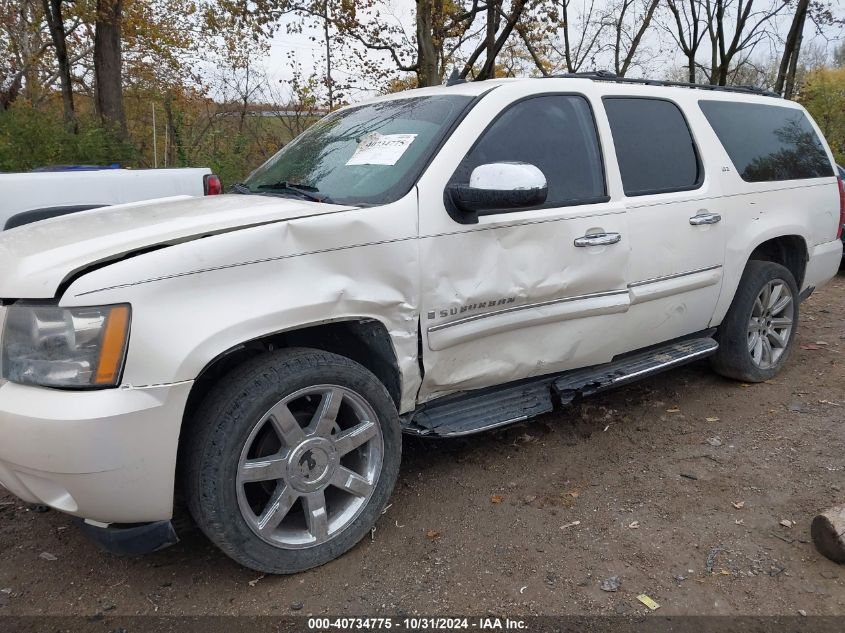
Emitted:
<point x="381" y="149"/>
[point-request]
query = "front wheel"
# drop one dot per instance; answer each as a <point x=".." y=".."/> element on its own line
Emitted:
<point x="757" y="334"/>
<point x="292" y="460"/>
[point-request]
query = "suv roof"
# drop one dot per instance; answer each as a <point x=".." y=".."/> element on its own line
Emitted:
<point x="455" y="86"/>
<point x="604" y="75"/>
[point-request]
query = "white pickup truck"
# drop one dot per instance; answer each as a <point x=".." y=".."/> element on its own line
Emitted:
<point x="38" y="195"/>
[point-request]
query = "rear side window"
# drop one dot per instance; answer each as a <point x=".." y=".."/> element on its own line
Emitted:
<point x="767" y="143"/>
<point x="654" y="146"/>
<point x="555" y="133"/>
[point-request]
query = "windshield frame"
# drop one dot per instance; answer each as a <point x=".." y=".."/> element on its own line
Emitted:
<point x="411" y="177"/>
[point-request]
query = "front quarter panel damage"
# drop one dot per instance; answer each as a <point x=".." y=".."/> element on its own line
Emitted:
<point x="193" y="301"/>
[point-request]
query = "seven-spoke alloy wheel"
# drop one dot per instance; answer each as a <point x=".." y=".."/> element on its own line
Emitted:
<point x="291" y="459"/>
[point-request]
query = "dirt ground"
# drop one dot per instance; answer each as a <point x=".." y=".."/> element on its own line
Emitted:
<point x="678" y="486"/>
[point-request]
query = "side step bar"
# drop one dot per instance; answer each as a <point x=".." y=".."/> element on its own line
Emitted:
<point x="484" y="409"/>
<point x="586" y="382"/>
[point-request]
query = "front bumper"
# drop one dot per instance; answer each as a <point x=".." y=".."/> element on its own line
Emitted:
<point x="108" y="456"/>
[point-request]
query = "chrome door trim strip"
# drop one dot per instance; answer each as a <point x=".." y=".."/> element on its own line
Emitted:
<point x="637" y="284"/>
<point x="527" y="306"/>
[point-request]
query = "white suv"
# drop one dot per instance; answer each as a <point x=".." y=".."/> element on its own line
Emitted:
<point x="436" y="262"/>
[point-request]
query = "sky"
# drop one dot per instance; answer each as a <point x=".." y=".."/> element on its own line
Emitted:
<point x="309" y="53"/>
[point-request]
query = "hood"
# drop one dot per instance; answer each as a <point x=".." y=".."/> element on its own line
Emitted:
<point x="36" y="258"/>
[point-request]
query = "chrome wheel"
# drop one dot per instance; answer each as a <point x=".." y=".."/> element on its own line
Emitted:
<point x="770" y="325"/>
<point x="309" y="466"/>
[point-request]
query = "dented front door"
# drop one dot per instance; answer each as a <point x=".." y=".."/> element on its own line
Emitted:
<point x="524" y="293"/>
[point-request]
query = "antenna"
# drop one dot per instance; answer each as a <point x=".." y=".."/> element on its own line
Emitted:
<point x="455" y="78"/>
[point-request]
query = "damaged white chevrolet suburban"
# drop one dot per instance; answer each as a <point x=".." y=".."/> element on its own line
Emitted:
<point x="438" y="262"/>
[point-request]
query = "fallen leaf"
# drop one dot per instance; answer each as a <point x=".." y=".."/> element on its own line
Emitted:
<point x="572" y="493"/>
<point x="712" y="419"/>
<point x="497" y="499"/>
<point x="432" y="535"/>
<point x="724" y="572"/>
<point x="739" y="505"/>
<point x="651" y="604"/>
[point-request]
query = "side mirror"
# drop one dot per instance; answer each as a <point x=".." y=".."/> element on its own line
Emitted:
<point x="497" y="187"/>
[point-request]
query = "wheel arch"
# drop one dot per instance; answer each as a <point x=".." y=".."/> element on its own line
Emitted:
<point x="364" y="340"/>
<point x="785" y="245"/>
<point x="789" y="251"/>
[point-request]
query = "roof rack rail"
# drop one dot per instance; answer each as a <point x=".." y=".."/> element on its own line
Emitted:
<point x="606" y="75"/>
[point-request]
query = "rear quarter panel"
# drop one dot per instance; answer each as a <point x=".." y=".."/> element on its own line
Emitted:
<point x="760" y="211"/>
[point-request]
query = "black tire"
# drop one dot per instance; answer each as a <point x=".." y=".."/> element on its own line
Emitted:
<point x="733" y="358"/>
<point x="222" y="426"/>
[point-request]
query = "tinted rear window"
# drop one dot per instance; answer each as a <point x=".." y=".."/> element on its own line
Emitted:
<point x="654" y="146"/>
<point x="768" y="143"/>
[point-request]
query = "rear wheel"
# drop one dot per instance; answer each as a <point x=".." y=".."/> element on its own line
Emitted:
<point x="293" y="460"/>
<point x="756" y="336"/>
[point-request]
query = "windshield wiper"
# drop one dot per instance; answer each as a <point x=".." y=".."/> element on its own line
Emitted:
<point x="311" y="193"/>
<point x="240" y="187"/>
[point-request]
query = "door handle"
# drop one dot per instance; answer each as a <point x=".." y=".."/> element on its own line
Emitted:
<point x="705" y="217"/>
<point x="598" y="239"/>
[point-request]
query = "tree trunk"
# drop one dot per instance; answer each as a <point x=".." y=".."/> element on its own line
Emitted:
<point x="488" y="70"/>
<point x="108" y="73"/>
<point x="828" y="532"/>
<point x="56" y="23"/>
<point x="428" y="67"/>
<point x="791" y="47"/>
<point x="490" y="39"/>
<point x="638" y="36"/>
<point x="326" y="34"/>
<point x="9" y="94"/>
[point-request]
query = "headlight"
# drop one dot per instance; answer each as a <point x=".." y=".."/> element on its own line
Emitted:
<point x="65" y="347"/>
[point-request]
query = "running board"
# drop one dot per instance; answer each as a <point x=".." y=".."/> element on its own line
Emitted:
<point x="586" y="382"/>
<point x="485" y="409"/>
<point x="482" y="410"/>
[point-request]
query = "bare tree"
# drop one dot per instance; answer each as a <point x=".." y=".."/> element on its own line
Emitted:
<point x="785" y="83"/>
<point x="735" y="27"/>
<point x="629" y="26"/>
<point x="499" y="26"/>
<point x="690" y="28"/>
